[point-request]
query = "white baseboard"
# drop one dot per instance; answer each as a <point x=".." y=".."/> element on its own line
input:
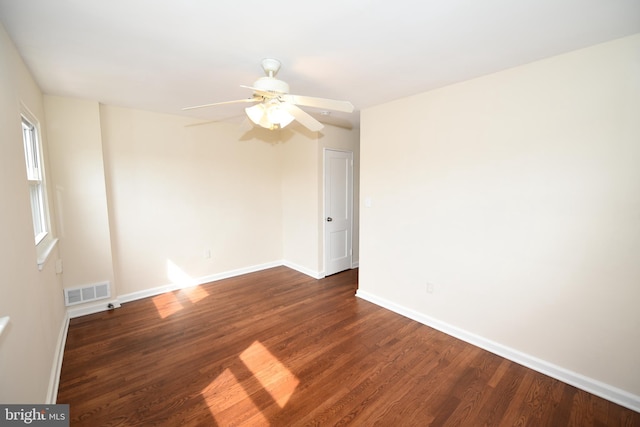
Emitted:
<point x="54" y="380"/>
<point x="303" y="270"/>
<point x="93" y="308"/>
<point x="598" y="388"/>
<point x="196" y="282"/>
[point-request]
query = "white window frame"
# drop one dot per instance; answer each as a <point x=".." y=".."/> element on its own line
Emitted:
<point x="36" y="179"/>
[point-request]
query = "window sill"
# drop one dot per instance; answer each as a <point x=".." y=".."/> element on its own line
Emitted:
<point x="43" y="254"/>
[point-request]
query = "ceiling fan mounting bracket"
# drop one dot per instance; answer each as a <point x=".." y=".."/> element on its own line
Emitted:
<point x="270" y="66"/>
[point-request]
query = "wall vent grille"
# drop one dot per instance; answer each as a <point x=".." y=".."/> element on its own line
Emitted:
<point x="73" y="296"/>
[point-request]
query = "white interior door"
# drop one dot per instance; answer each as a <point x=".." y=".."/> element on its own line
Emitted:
<point x="338" y="210"/>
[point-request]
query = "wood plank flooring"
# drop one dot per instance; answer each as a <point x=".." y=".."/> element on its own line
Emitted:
<point x="279" y="348"/>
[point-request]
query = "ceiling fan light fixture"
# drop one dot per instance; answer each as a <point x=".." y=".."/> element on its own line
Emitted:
<point x="257" y="114"/>
<point x="279" y="115"/>
<point x="269" y="116"/>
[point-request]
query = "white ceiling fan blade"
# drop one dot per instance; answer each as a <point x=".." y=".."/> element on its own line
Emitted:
<point x="302" y="117"/>
<point x="322" y="103"/>
<point x="330" y="119"/>
<point x="254" y="99"/>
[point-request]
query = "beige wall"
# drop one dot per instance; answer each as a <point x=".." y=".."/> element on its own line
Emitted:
<point x="300" y="218"/>
<point x="75" y="147"/>
<point x="32" y="298"/>
<point x="176" y="191"/>
<point x="517" y="195"/>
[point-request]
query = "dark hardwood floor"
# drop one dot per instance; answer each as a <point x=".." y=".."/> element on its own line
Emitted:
<point x="279" y="348"/>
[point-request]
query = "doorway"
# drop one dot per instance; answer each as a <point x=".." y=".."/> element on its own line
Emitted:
<point x="338" y="211"/>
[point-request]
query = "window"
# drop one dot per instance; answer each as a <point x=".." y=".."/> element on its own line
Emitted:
<point x="34" y="176"/>
<point x="37" y="188"/>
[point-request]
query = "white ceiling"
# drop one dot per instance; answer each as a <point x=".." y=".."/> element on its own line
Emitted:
<point x="161" y="55"/>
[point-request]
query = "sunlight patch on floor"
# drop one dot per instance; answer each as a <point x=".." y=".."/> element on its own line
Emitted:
<point x="195" y="293"/>
<point x="226" y="392"/>
<point x="227" y="397"/>
<point x="274" y="377"/>
<point x="166" y="304"/>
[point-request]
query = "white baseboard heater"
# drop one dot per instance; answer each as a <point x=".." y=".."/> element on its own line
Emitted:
<point x="73" y="296"/>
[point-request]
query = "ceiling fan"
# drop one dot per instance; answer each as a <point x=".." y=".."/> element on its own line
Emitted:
<point x="275" y="107"/>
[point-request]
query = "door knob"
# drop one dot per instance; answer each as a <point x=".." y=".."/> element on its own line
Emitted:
<point x="329" y="219"/>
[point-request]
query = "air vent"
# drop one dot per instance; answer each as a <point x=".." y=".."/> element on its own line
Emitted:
<point x="95" y="292"/>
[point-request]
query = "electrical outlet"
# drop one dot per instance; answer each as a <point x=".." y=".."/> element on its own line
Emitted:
<point x="430" y="288"/>
<point x="207" y="253"/>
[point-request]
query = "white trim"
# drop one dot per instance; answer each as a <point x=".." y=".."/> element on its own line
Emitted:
<point x="355" y="264"/>
<point x="196" y="282"/>
<point x="606" y="391"/>
<point x="45" y="252"/>
<point x="54" y="380"/>
<point x="92" y="309"/>
<point x="304" y="270"/>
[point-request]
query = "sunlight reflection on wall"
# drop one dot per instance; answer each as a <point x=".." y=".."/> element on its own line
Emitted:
<point x="177" y="276"/>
